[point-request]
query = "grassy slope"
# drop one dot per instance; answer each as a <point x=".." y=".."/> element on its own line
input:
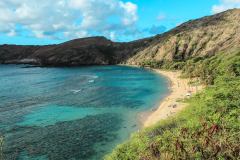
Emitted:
<point x="207" y="129"/>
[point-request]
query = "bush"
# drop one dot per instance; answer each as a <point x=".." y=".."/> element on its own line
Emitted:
<point x="207" y="129"/>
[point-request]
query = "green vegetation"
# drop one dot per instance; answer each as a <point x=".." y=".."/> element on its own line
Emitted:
<point x="1" y="148"/>
<point x="163" y="64"/>
<point x="207" y="129"/>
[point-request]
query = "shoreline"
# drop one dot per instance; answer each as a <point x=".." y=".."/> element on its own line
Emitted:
<point x="171" y="104"/>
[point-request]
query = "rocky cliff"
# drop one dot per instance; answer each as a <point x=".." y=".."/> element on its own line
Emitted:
<point x="197" y="38"/>
<point x="202" y="37"/>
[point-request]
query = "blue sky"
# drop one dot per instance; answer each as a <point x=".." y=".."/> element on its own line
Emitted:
<point x="38" y="23"/>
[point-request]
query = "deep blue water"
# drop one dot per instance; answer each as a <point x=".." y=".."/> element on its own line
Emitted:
<point x="72" y="113"/>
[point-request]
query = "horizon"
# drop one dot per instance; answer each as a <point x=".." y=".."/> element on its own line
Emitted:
<point x="121" y="20"/>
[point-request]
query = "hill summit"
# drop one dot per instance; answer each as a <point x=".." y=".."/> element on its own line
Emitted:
<point x="206" y="36"/>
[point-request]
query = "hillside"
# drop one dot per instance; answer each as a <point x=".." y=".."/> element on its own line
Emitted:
<point x="84" y="51"/>
<point x="207" y="49"/>
<point x="208" y="128"/>
<point x="197" y="38"/>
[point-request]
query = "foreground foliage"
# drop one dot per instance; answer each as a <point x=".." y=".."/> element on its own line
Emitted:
<point x="207" y="129"/>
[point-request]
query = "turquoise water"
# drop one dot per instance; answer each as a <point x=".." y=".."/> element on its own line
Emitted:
<point x="78" y="113"/>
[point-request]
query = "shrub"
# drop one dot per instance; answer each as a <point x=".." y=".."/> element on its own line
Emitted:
<point x="207" y="129"/>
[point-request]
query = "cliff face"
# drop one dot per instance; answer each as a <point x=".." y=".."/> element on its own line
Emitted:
<point x="201" y="37"/>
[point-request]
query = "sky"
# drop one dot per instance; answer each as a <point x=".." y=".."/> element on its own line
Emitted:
<point x="35" y="22"/>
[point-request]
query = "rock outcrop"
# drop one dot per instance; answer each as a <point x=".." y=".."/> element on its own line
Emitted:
<point x="198" y="38"/>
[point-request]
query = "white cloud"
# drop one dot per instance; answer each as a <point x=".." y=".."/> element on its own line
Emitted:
<point x="67" y="18"/>
<point x="12" y="33"/>
<point x="225" y="5"/>
<point x="161" y="17"/>
<point x="130" y="14"/>
<point x="112" y="35"/>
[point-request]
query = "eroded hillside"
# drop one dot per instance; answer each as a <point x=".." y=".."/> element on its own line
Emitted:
<point x="201" y="37"/>
<point x="197" y="38"/>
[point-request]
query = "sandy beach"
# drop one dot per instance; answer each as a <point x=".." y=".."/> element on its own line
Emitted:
<point x="180" y="89"/>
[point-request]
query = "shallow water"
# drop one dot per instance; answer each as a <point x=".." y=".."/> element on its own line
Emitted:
<point x="72" y="113"/>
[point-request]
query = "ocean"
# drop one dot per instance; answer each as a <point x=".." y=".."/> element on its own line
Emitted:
<point x="77" y="113"/>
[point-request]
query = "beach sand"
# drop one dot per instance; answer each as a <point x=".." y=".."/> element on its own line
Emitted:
<point x="180" y="89"/>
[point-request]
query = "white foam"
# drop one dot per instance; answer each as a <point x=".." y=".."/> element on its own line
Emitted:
<point x="76" y="91"/>
<point x="91" y="81"/>
<point x="90" y="76"/>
